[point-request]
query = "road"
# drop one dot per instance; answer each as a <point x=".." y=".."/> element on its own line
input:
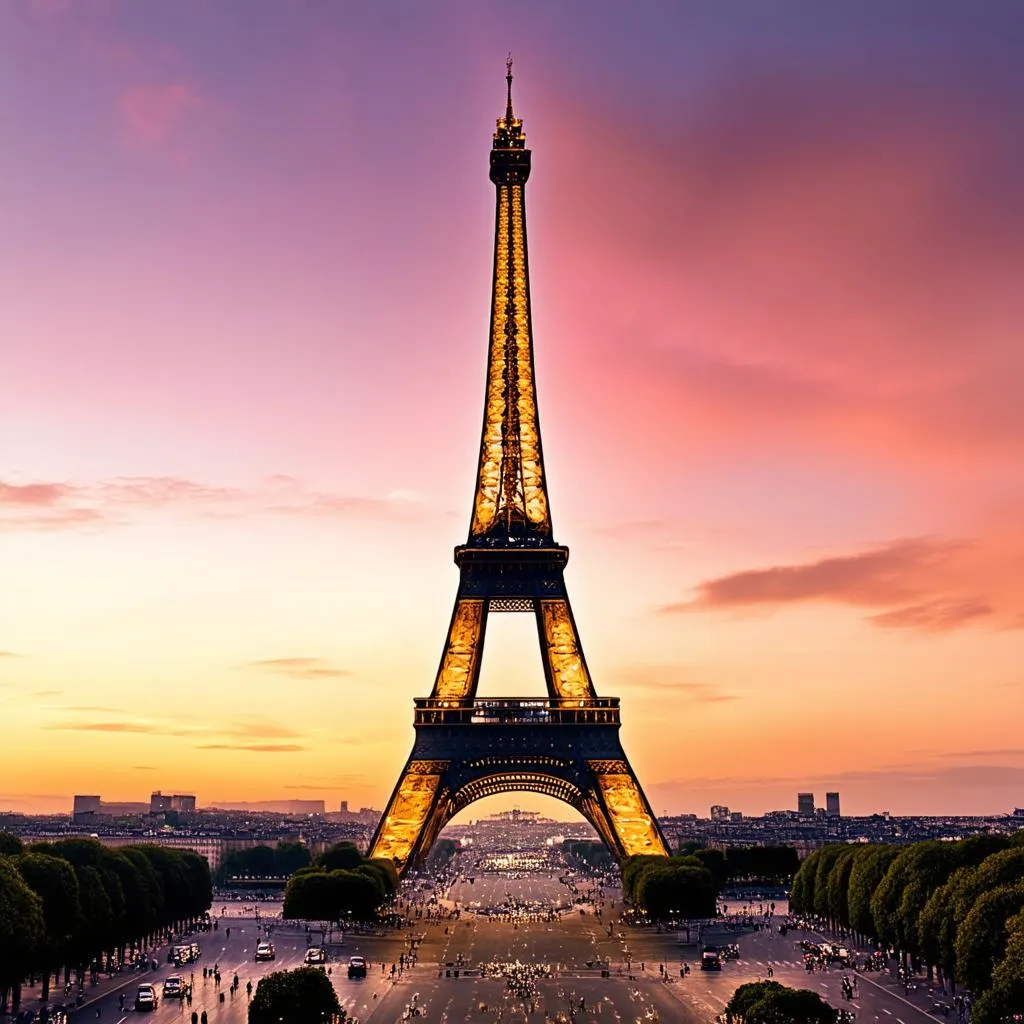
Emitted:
<point x="461" y="966"/>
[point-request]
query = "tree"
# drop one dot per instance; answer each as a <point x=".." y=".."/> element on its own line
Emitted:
<point x="715" y="862"/>
<point x="302" y="996"/>
<point x="749" y="995"/>
<point x="931" y="864"/>
<point x="982" y="938"/>
<point x="1006" y="995"/>
<point x="677" y="887"/>
<point x="289" y="857"/>
<point x="791" y="1006"/>
<point x="341" y="856"/>
<point x="53" y="881"/>
<point x="801" y="896"/>
<point x="22" y="929"/>
<point x="869" y="868"/>
<point x="357" y="894"/>
<point x="826" y="861"/>
<point x="10" y="844"/>
<point x="837" y="888"/>
<point x="762" y="863"/>
<point x="440" y="853"/>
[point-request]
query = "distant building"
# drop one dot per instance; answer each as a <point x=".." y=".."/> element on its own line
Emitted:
<point x="719" y="812"/>
<point x="364" y="816"/>
<point x="735" y="816"/>
<point x="293" y="807"/>
<point x="805" y="805"/>
<point x="161" y="803"/>
<point x="832" y="805"/>
<point x="89" y="808"/>
<point x="84" y="807"/>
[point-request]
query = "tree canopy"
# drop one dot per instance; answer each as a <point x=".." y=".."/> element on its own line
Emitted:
<point x="302" y="996"/>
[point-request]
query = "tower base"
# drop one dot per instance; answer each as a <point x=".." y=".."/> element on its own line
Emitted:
<point x="465" y="751"/>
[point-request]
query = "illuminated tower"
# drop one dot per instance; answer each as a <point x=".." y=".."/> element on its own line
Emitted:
<point x="566" y="744"/>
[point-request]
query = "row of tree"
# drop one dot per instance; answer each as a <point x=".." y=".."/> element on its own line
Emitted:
<point x="747" y="864"/>
<point x="956" y="908"/>
<point x="768" y="1002"/>
<point x="587" y="853"/>
<point x="669" y="887"/>
<point x="281" y="861"/>
<point x="65" y="904"/>
<point x="687" y="884"/>
<point x="340" y="884"/>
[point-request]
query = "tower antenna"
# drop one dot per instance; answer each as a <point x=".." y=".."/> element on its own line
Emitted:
<point x="508" y="79"/>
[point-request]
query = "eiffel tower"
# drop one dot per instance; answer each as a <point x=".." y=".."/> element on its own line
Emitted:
<point x="567" y="744"/>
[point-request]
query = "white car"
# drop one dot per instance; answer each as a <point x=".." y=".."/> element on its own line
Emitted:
<point x="316" y="956"/>
<point x="145" y="998"/>
<point x="264" y="951"/>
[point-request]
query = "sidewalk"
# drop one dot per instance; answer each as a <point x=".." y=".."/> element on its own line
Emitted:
<point x="32" y="1000"/>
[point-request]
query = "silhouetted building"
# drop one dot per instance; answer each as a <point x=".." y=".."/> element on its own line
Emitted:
<point x="805" y="805"/>
<point x="85" y="807"/>
<point x="719" y="812"/>
<point x="832" y="805"/>
<point x="161" y="803"/>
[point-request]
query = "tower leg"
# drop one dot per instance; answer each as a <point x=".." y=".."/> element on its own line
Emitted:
<point x="415" y="813"/>
<point x="621" y="813"/>
<point x="565" y="668"/>
<point x="460" y="662"/>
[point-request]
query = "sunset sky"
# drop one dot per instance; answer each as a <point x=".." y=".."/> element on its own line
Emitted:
<point x="777" y="268"/>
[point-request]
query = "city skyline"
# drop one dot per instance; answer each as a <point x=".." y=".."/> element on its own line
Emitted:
<point x="776" y="314"/>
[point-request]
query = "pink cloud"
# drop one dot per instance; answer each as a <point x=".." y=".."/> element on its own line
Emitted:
<point x="43" y="494"/>
<point x="155" y="114"/>
<point x="935" y="616"/>
<point x="61" y="505"/>
<point x="921" y="577"/>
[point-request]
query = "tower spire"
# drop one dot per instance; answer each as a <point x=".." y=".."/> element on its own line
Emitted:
<point x="508" y="78"/>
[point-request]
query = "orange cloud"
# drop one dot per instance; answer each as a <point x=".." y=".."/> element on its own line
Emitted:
<point x="257" y="748"/>
<point x="300" y="668"/>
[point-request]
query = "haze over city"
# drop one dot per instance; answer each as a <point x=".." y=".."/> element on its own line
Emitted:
<point x="243" y="325"/>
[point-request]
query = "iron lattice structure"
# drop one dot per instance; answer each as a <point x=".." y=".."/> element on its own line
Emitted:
<point x="567" y="744"/>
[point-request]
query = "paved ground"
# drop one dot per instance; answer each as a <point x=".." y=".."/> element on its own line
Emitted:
<point x="570" y="950"/>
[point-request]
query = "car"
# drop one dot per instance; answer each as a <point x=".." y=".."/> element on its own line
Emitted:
<point x="710" y="959"/>
<point x="194" y="951"/>
<point x="264" y="951"/>
<point x="316" y="955"/>
<point x="172" y="986"/>
<point x="145" y="998"/>
<point x="357" y="967"/>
